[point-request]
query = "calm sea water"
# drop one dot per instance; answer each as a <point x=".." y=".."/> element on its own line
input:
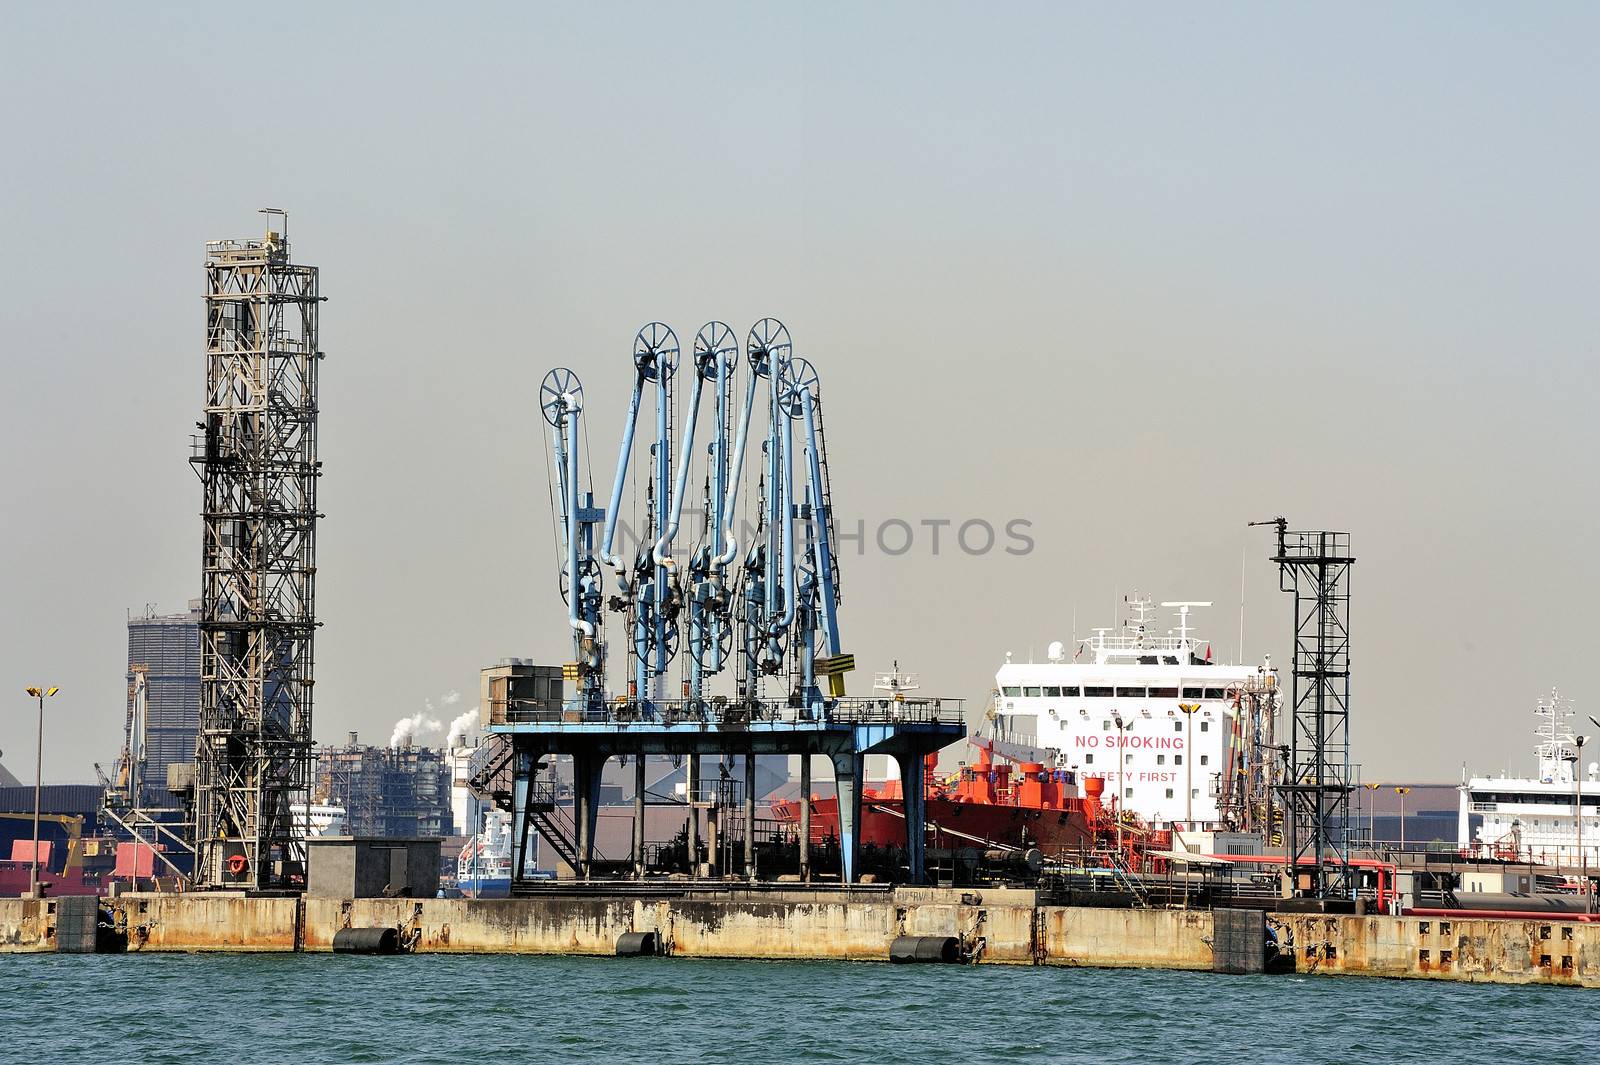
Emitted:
<point x="287" y="1009"/>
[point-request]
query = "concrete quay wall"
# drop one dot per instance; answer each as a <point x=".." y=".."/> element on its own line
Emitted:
<point x="993" y="926"/>
<point x="1475" y="949"/>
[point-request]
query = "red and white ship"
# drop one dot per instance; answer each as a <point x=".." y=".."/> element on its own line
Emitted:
<point x="994" y="803"/>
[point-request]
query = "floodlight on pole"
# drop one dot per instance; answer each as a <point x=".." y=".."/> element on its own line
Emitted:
<point x="40" y="693"/>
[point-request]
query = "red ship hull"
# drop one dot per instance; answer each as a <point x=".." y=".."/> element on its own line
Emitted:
<point x="952" y="823"/>
<point x="987" y="805"/>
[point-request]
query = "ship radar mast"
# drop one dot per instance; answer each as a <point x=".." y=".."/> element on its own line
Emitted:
<point x="1183" y="623"/>
<point x="1138" y="643"/>
<point x="1554" y="733"/>
<point x="1139" y="614"/>
<point x="896" y="683"/>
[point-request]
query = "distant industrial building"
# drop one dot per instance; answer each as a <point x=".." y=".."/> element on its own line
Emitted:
<point x="386" y="791"/>
<point x="159" y="729"/>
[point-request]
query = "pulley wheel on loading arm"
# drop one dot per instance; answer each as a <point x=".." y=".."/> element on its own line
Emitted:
<point x="587" y="568"/>
<point x="655" y="350"/>
<point x="768" y="345"/>
<point x="723" y="647"/>
<point x="715" y="346"/>
<point x="798" y="376"/>
<point x="561" y="393"/>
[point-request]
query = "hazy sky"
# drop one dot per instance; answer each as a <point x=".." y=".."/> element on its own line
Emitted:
<point x="1135" y="278"/>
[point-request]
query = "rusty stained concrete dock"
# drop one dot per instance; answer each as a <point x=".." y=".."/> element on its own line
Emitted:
<point x="994" y="927"/>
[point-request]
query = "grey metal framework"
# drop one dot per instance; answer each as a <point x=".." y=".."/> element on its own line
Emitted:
<point x="257" y="460"/>
<point x="388" y="792"/>
<point x="1315" y="567"/>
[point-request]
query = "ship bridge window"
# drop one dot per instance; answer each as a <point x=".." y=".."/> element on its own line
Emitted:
<point x="1098" y="693"/>
<point x="1163" y="693"/>
<point x="1216" y="693"/>
<point x="1070" y="693"/>
<point x="1194" y="693"/>
<point x="1031" y="693"/>
<point x="1130" y="693"/>
<point x="1052" y="693"/>
<point x="1011" y="693"/>
<point x="1169" y="660"/>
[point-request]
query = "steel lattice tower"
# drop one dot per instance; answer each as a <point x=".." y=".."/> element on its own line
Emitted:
<point x="1315" y="567"/>
<point x="257" y="460"/>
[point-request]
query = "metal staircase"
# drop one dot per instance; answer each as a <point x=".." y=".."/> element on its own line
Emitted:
<point x="489" y="779"/>
<point x="1117" y="863"/>
<point x="553" y="823"/>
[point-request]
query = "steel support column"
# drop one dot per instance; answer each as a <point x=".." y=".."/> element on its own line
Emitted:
<point x="847" y="773"/>
<point x="521" y="787"/>
<point x="912" y="770"/>
<point x="805" y="818"/>
<point x="750" y="815"/>
<point x="638" y="816"/>
<point x="587" y="769"/>
<point x="691" y="789"/>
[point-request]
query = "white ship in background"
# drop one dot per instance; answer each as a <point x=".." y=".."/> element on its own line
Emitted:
<point x="1116" y="711"/>
<point x="483" y="869"/>
<point x="1535" y="818"/>
<point x="322" y="819"/>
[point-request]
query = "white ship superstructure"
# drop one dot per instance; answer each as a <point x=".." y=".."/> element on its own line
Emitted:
<point x="484" y="866"/>
<point x="323" y="819"/>
<point x="1535" y="818"/>
<point x="1117" y="711"/>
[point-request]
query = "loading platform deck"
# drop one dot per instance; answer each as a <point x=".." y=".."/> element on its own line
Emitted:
<point x="843" y="730"/>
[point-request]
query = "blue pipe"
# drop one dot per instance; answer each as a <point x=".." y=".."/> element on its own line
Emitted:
<point x="663" y="454"/>
<point x="789" y="598"/>
<point x="570" y="475"/>
<point x="736" y="472"/>
<point x="622" y="474"/>
<point x="662" y="551"/>
<point x="825" y="562"/>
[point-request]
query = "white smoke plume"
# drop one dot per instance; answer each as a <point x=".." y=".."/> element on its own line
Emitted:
<point x="460" y="727"/>
<point x="409" y="730"/>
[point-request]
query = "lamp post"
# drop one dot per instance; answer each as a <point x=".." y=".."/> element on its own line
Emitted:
<point x="1121" y="758"/>
<point x="1577" y="783"/>
<point x="1372" y="809"/>
<point x="1188" y="763"/>
<point x="1402" y="791"/>
<point x="1583" y="856"/>
<point x="40" y="693"/>
<point x="1188" y="786"/>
